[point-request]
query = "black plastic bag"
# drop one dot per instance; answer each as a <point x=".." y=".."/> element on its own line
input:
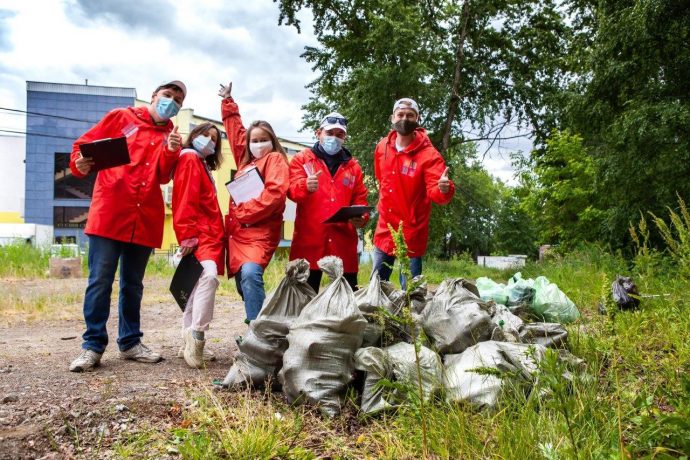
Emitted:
<point x="625" y="293"/>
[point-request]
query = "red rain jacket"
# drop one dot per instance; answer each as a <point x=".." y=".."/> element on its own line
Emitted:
<point x="196" y="213"/>
<point x="313" y="239"/>
<point x="408" y="183"/>
<point x="254" y="227"/>
<point x="127" y="203"/>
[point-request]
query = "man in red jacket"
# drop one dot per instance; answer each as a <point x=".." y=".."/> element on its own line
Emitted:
<point x="411" y="174"/>
<point x="323" y="179"/>
<point x="125" y="219"/>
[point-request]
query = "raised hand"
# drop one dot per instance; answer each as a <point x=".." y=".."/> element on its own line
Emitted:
<point x="444" y="182"/>
<point x="313" y="182"/>
<point x="225" y="91"/>
<point x="174" y="140"/>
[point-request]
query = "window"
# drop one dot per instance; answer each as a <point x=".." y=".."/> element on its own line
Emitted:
<point x="68" y="187"/>
<point x="70" y="216"/>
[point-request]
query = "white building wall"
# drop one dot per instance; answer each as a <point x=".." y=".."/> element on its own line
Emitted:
<point x="12" y="154"/>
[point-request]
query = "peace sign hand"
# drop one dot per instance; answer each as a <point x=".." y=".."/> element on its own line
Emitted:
<point x="444" y="182"/>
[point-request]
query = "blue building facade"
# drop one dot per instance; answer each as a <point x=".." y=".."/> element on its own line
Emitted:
<point x="57" y="114"/>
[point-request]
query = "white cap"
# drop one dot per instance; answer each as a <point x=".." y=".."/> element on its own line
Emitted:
<point x="406" y="103"/>
<point x="177" y="83"/>
<point x="334" y="120"/>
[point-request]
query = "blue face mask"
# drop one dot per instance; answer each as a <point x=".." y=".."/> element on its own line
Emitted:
<point x="204" y="145"/>
<point x="332" y="144"/>
<point x="167" y="108"/>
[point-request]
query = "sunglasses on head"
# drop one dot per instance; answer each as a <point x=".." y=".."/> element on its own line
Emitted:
<point x="337" y="120"/>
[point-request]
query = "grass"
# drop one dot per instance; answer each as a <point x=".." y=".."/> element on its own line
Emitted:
<point x="632" y="401"/>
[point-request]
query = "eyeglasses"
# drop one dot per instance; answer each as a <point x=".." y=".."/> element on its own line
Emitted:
<point x="336" y="120"/>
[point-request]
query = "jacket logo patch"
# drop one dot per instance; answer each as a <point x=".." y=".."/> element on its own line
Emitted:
<point x="409" y="168"/>
<point x="130" y="129"/>
<point x="349" y="180"/>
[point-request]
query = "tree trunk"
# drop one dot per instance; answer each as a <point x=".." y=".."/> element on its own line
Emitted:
<point x="455" y="88"/>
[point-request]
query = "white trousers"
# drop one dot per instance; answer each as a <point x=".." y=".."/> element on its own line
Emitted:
<point x="199" y="311"/>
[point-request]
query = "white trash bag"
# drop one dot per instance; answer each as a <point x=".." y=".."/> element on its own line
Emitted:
<point x="466" y="378"/>
<point x="318" y="364"/>
<point x="369" y="301"/>
<point x="261" y="351"/>
<point x="456" y="318"/>
<point x="396" y="363"/>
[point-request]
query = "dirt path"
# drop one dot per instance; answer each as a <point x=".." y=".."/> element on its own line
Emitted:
<point x="47" y="411"/>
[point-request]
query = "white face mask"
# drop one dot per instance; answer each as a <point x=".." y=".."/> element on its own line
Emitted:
<point x="260" y="149"/>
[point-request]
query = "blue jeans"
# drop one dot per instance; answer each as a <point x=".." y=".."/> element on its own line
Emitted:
<point x="250" y="285"/>
<point x="104" y="255"/>
<point x="383" y="263"/>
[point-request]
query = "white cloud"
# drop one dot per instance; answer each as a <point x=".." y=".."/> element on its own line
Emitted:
<point x="140" y="43"/>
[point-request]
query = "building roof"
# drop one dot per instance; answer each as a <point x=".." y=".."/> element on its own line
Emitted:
<point x="92" y="90"/>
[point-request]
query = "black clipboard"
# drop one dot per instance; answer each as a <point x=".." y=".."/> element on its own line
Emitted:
<point x="185" y="278"/>
<point x="106" y="153"/>
<point x="348" y="212"/>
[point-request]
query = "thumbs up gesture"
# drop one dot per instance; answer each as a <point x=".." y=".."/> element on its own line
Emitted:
<point x="313" y="181"/>
<point x="444" y="182"/>
<point x="174" y="140"/>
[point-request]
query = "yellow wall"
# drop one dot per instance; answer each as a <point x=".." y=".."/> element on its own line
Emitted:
<point x="185" y="119"/>
<point x="7" y="217"/>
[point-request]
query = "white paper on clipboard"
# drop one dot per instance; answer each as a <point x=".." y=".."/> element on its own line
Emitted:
<point x="246" y="187"/>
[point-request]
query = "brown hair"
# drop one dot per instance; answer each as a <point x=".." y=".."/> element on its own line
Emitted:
<point x="216" y="158"/>
<point x="246" y="158"/>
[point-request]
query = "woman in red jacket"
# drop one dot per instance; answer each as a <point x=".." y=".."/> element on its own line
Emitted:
<point x="198" y="225"/>
<point x="253" y="227"/>
<point x="323" y="179"/>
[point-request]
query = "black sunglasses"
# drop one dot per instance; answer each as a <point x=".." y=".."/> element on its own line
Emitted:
<point x="337" y="120"/>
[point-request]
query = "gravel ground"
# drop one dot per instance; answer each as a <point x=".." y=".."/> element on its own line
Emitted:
<point x="48" y="412"/>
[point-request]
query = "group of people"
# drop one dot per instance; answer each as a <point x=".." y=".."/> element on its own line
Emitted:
<point x="125" y="221"/>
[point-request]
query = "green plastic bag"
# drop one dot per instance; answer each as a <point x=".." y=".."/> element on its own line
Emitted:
<point x="551" y="304"/>
<point x="520" y="290"/>
<point x="491" y="290"/>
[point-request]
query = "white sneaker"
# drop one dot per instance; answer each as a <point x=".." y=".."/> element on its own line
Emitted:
<point x="141" y="353"/>
<point x="86" y="361"/>
<point x="193" y="350"/>
<point x="208" y="354"/>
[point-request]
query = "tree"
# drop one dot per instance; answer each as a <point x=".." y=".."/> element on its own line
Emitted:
<point x="561" y="192"/>
<point x="516" y="230"/>
<point x="478" y="68"/>
<point x="631" y="104"/>
<point x="467" y="223"/>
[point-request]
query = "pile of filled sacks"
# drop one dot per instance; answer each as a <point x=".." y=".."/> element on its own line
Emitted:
<point x="312" y="345"/>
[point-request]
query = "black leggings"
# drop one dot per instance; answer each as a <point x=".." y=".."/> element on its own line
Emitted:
<point x="315" y="279"/>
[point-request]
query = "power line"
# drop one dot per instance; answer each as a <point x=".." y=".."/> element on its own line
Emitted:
<point x="47" y="115"/>
<point x="36" y="134"/>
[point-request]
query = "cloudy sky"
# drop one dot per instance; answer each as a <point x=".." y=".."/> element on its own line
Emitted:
<point x="139" y="43"/>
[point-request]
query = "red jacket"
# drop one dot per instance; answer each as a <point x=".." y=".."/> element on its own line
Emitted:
<point x="254" y="227"/>
<point x="196" y="213"/>
<point x="408" y="183"/>
<point x="313" y="239"/>
<point x="127" y="203"/>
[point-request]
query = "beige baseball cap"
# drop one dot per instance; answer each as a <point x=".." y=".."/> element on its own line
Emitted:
<point x="177" y="83"/>
<point x="406" y="103"/>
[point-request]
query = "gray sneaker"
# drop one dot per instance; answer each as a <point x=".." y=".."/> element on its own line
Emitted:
<point x="193" y="350"/>
<point x="208" y="354"/>
<point x="86" y="361"/>
<point x="141" y="353"/>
